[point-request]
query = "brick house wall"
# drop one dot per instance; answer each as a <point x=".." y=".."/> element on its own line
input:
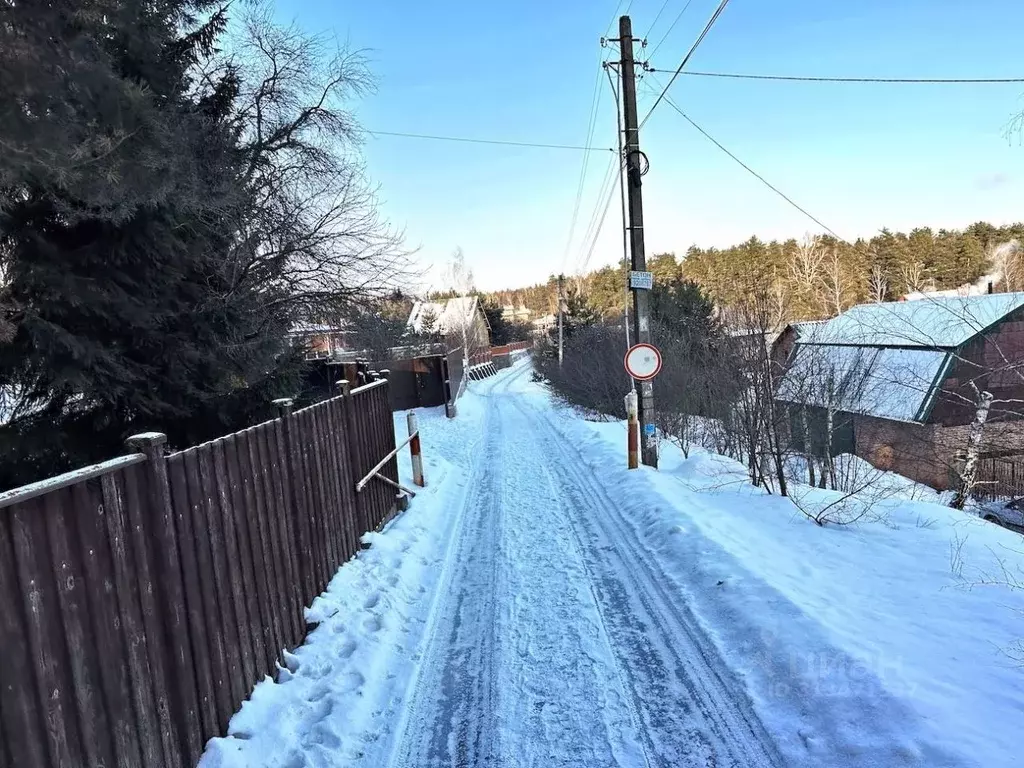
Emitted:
<point x="927" y="453"/>
<point x="911" y="450"/>
<point x="995" y="362"/>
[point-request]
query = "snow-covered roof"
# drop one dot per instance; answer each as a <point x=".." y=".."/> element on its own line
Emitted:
<point x="887" y="382"/>
<point x="448" y="316"/>
<point x="308" y="329"/>
<point x="934" y="322"/>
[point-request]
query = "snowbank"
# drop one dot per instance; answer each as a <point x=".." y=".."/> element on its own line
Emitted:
<point x="900" y="628"/>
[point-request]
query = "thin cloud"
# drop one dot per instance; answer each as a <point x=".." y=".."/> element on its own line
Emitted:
<point x="989" y="181"/>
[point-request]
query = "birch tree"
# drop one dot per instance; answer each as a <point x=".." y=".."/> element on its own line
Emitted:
<point x="969" y="471"/>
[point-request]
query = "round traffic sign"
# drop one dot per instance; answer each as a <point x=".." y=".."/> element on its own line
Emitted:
<point x="643" y="362"/>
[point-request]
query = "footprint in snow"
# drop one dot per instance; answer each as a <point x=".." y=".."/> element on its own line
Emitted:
<point x="350" y="681"/>
<point x="346" y="649"/>
<point x="372" y="624"/>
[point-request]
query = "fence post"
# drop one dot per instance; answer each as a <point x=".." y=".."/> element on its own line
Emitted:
<point x="166" y="621"/>
<point x="293" y="466"/>
<point x="355" y="456"/>
<point x="632" y="431"/>
<point x="415" y="451"/>
<point x="446" y="376"/>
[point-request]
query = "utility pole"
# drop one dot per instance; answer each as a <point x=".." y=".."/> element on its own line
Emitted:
<point x="641" y="313"/>
<point x="561" y="309"/>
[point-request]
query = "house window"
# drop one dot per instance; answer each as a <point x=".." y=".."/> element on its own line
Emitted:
<point x="843" y="439"/>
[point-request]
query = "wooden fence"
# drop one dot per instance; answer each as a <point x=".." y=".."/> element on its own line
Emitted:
<point x="1000" y="478"/>
<point x="142" y="598"/>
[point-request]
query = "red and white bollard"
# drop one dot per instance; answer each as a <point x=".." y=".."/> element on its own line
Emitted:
<point x="414" y="449"/>
<point x="632" y="430"/>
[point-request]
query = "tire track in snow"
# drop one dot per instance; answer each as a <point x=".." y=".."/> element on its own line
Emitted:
<point x="655" y="634"/>
<point x="451" y="701"/>
<point x="518" y="670"/>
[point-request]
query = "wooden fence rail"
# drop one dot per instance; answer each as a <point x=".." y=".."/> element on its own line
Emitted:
<point x="1000" y="478"/>
<point x="141" y="599"/>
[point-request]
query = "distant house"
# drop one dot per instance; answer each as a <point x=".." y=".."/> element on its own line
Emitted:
<point x="513" y="314"/>
<point x="322" y="341"/>
<point x="543" y="324"/>
<point x="462" y="320"/>
<point x="895" y="381"/>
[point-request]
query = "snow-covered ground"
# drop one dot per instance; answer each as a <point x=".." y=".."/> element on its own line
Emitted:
<point x="541" y="605"/>
<point x="905" y="629"/>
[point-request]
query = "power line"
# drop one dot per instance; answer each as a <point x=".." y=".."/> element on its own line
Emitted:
<point x="600" y="213"/>
<point x="670" y="28"/>
<point x="756" y="175"/>
<point x="591" y="124"/>
<point x="469" y="140"/>
<point x="616" y="14"/>
<point x="686" y="58"/>
<point x="654" y="23"/>
<point x="802" y="79"/>
<point x="600" y="223"/>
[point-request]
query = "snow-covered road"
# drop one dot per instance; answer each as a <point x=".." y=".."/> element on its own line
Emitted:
<point x="555" y="640"/>
<point x="539" y="605"/>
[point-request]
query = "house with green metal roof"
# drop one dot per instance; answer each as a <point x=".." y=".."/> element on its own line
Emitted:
<point x="898" y="383"/>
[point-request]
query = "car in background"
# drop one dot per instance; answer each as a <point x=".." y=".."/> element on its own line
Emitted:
<point x="1009" y="515"/>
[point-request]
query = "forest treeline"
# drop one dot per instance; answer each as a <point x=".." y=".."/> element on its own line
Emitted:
<point x="816" y="276"/>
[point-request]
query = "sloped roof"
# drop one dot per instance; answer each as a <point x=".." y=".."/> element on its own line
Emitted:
<point x="887" y="382"/>
<point x="449" y="315"/>
<point x="942" y="322"/>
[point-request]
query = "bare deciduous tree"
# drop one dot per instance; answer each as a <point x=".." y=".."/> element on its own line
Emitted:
<point x="836" y="286"/>
<point x="878" y="285"/>
<point x="913" y="277"/>
<point x="313" y="234"/>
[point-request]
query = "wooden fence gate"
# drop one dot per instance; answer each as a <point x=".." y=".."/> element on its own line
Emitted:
<point x="141" y="599"/>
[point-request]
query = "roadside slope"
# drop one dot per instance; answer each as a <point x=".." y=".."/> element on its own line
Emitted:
<point x="858" y="645"/>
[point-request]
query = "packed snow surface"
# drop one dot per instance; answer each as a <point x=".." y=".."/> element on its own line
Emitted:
<point x="540" y="605"/>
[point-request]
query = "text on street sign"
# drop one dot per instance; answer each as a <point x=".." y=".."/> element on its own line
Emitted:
<point x="642" y="280"/>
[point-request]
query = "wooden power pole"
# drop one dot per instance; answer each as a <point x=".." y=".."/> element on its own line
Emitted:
<point x="641" y="304"/>
<point x="561" y="310"/>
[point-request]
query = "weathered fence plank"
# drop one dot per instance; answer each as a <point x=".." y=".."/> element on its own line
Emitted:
<point x="70" y="580"/>
<point x="106" y="625"/>
<point x="45" y="635"/>
<point x="327" y="490"/>
<point x="336" y="459"/>
<point x="322" y="501"/>
<point x="20" y="714"/>
<point x="236" y="568"/>
<point x="301" y="517"/>
<point x="132" y="624"/>
<point x="249" y="527"/>
<point x="189" y="548"/>
<point x="264" y="545"/>
<point x="285" y="519"/>
<point x="162" y="541"/>
<point x="331" y="487"/>
<point x="350" y="526"/>
<point x="230" y="624"/>
<point x="318" y="498"/>
<point x="242" y="522"/>
<point x="140" y="540"/>
<point x="206" y="582"/>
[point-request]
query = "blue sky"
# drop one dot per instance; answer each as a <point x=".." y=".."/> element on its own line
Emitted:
<point x="859" y="157"/>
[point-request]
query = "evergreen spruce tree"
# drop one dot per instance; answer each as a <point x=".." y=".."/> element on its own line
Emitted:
<point x="117" y="202"/>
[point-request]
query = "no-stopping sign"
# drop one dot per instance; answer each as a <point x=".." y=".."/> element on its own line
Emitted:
<point x="643" y="362"/>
